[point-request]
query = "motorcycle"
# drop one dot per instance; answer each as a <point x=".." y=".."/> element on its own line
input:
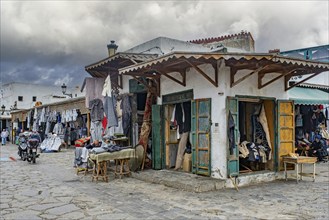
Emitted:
<point x="28" y="145"/>
<point x="22" y="145"/>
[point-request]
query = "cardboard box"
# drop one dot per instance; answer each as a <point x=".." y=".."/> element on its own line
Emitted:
<point x="187" y="163"/>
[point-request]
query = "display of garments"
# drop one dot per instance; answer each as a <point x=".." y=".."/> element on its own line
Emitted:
<point x="51" y="143"/>
<point x="84" y="155"/>
<point x="96" y="110"/>
<point x="243" y="149"/>
<point x="126" y="114"/>
<point x="118" y="108"/>
<point x="181" y="150"/>
<point x="299" y="121"/>
<point x="48" y="123"/>
<point x="74" y="114"/>
<point x="231" y="134"/>
<point x="94" y="89"/>
<point x="119" y="128"/>
<point x="263" y="121"/>
<point x="28" y="119"/>
<point x="58" y="129"/>
<point x="35" y="115"/>
<point x="109" y="109"/>
<point x="107" y="87"/>
<point x="183" y="117"/>
<point x="42" y="116"/>
<point x="96" y="130"/>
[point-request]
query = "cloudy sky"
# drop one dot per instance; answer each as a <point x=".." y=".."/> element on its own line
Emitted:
<point x="50" y="42"/>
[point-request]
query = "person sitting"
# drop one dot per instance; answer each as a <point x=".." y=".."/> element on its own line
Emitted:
<point x="317" y="148"/>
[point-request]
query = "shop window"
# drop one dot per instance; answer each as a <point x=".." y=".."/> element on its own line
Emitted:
<point x="20" y="98"/>
<point x="34" y="99"/>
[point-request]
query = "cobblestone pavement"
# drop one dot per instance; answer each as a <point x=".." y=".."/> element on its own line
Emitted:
<point x="50" y="189"/>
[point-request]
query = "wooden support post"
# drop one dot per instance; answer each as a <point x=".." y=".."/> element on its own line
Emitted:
<point x="88" y="124"/>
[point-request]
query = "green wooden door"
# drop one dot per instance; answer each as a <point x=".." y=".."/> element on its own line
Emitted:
<point x="200" y="131"/>
<point x="157" y="138"/>
<point x="233" y="152"/>
<point x="286" y="129"/>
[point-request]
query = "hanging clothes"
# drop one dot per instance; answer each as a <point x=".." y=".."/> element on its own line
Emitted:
<point x="126" y="114"/>
<point x="96" y="130"/>
<point x="109" y="109"/>
<point x="94" y="89"/>
<point x="263" y="121"/>
<point x="183" y="117"/>
<point x="96" y="110"/>
<point x="107" y="87"/>
<point x="231" y="135"/>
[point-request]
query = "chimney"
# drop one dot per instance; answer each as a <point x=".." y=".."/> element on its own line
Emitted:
<point x="274" y="51"/>
<point x="112" y="48"/>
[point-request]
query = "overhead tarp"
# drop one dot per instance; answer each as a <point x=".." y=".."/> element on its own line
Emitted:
<point x="308" y="96"/>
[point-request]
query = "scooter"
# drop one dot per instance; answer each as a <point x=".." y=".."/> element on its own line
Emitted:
<point x="28" y="145"/>
<point x="22" y="145"/>
<point x="32" y="148"/>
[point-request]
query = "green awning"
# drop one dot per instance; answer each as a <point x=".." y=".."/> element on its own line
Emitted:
<point x="308" y="96"/>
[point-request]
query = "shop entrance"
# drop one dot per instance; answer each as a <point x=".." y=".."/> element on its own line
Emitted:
<point x="251" y="135"/>
<point x="177" y="129"/>
<point x="256" y="128"/>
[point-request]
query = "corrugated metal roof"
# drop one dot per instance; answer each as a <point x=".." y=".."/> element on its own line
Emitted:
<point x="308" y="96"/>
<point x="226" y="56"/>
<point x="311" y="85"/>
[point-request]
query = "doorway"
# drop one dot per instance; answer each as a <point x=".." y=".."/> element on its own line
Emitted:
<point x="256" y="128"/>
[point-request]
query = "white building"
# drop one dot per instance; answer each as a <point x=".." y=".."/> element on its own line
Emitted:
<point x="223" y="87"/>
<point x="16" y="96"/>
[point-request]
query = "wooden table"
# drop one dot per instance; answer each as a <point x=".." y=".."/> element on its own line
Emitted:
<point x="300" y="160"/>
<point x="101" y="160"/>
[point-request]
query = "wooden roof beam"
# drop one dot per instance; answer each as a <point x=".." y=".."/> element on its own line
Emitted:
<point x="152" y="89"/>
<point x="182" y="73"/>
<point x="260" y="77"/>
<point x="233" y="82"/>
<point x="203" y="73"/>
<point x="287" y="77"/>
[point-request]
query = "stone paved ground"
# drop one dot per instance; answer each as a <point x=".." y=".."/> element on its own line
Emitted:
<point x="50" y="189"/>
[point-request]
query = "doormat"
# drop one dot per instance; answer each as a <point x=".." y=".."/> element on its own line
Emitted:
<point x="6" y="159"/>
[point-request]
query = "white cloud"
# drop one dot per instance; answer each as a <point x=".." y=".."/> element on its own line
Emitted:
<point x="65" y="35"/>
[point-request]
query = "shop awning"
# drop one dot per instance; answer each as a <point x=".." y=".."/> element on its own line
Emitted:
<point x="308" y="96"/>
<point x="258" y="63"/>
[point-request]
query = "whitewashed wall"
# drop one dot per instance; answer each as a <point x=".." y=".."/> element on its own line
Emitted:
<point x="202" y="88"/>
<point x="44" y="94"/>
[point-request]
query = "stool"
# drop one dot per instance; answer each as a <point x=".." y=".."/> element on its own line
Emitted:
<point x="120" y="163"/>
<point x="100" y="170"/>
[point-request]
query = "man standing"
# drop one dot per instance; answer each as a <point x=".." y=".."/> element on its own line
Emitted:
<point x="4" y="135"/>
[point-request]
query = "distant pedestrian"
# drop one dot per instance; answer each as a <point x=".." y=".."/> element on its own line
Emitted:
<point x="4" y="135"/>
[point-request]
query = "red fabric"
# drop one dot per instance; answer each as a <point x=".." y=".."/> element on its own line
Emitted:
<point x="104" y="124"/>
<point x="80" y="142"/>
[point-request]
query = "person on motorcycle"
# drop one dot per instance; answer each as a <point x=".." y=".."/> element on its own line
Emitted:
<point x="35" y="135"/>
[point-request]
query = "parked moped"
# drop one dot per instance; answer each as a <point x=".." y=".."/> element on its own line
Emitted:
<point x="28" y="146"/>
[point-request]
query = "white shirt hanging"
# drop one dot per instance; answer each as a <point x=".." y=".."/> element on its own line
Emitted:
<point x="107" y="87"/>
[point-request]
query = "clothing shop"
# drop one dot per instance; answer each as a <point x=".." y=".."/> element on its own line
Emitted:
<point x="238" y="124"/>
<point x="311" y="118"/>
<point x="59" y="124"/>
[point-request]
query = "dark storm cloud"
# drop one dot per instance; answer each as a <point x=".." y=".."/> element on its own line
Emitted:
<point x="50" y="42"/>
